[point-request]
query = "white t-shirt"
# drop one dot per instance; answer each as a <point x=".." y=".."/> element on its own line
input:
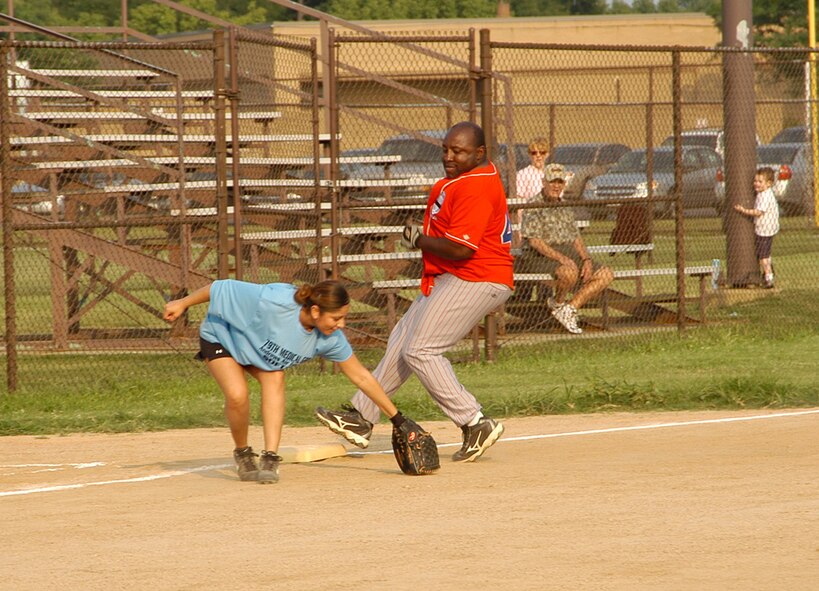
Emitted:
<point x="529" y="182"/>
<point x="766" y="224"/>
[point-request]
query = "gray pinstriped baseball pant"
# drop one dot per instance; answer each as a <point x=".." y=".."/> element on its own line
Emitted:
<point x="431" y="326"/>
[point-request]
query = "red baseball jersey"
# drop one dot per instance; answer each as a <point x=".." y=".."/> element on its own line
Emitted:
<point x="470" y="210"/>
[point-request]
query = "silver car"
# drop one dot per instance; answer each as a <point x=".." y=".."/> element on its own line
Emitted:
<point x="712" y="138"/>
<point x="585" y="161"/>
<point x="422" y="158"/>
<point x="793" y="186"/>
<point x="792" y="135"/>
<point x="628" y="178"/>
<point x="32" y="199"/>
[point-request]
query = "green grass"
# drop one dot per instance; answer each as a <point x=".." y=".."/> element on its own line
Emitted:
<point x="754" y="354"/>
<point x="749" y="361"/>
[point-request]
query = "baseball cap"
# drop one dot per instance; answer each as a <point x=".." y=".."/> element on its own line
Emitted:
<point x="554" y="172"/>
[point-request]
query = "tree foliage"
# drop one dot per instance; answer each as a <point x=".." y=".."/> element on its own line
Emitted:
<point x="410" y="9"/>
<point x="780" y="23"/>
<point x="777" y="23"/>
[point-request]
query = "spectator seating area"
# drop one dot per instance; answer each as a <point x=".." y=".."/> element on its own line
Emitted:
<point x="133" y="156"/>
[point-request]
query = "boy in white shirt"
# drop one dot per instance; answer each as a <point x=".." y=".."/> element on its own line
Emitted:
<point x="766" y="221"/>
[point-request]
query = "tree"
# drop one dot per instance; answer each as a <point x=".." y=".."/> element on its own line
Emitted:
<point x="619" y="7"/>
<point x="781" y="23"/>
<point x="153" y="19"/>
<point x="712" y="8"/>
<point x="668" y="6"/>
<point x="539" y="7"/>
<point x="588" y="7"/>
<point x="644" y="6"/>
<point x="410" y="9"/>
<point x="39" y="12"/>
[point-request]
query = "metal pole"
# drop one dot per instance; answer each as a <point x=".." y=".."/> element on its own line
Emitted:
<point x="233" y="52"/>
<point x="649" y="211"/>
<point x="474" y="80"/>
<point x="123" y="10"/>
<point x="679" y="234"/>
<point x="219" y="93"/>
<point x="814" y="118"/>
<point x="315" y="113"/>
<point x="740" y="141"/>
<point x="486" y="93"/>
<point x="489" y="133"/>
<point x="8" y="223"/>
<point x="332" y="105"/>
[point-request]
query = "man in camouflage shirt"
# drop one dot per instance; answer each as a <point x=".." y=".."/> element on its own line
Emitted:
<point x="552" y="244"/>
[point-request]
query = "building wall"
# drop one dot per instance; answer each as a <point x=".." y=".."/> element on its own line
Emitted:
<point x="688" y="29"/>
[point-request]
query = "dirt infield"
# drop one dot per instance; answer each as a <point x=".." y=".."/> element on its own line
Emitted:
<point x="688" y="501"/>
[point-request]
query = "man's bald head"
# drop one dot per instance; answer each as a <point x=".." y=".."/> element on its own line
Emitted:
<point x="463" y="149"/>
<point x="474" y="131"/>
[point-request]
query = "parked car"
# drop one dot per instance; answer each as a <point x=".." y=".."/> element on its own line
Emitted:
<point x="792" y="135"/>
<point x="504" y="157"/>
<point x="34" y="204"/>
<point x="793" y="186"/>
<point x="710" y="137"/>
<point x="421" y="158"/>
<point x="585" y="161"/>
<point x="628" y="178"/>
<point x="345" y="168"/>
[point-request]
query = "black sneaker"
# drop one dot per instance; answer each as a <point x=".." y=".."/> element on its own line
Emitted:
<point x="269" y="467"/>
<point x="478" y="439"/>
<point x="348" y="423"/>
<point x="246" y="464"/>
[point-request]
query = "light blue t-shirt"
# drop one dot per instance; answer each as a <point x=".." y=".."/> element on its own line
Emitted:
<point x="259" y="325"/>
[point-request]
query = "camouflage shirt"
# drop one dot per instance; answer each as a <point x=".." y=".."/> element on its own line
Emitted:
<point x="553" y="225"/>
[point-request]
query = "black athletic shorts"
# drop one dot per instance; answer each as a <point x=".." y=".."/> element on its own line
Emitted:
<point x="208" y="350"/>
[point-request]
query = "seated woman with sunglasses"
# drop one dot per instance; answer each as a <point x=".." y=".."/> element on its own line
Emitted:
<point x="528" y="185"/>
<point x="530" y="179"/>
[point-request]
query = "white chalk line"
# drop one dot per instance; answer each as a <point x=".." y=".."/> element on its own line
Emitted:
<point x="78" y="485"/>
<point x="621" y="429"/>
<point x="17" y="468"/>
<point x="78" y="466"/>
<point x="389" y="451"/>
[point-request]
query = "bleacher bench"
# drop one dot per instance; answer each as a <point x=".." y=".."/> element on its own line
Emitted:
<point x="150" y="138"/>
<point x="186" y="161"/>
<point x="126" y="115"/>
<point x="126" y="94"/>
<point x="703" y="273"/>
<point x="69" y="73"/>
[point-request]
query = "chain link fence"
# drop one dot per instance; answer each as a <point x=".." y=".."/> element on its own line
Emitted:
<point x="661" y="218"/>
<point x="132" y="173"/>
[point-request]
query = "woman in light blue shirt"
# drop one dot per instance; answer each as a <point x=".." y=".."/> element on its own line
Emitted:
<point x="263" y="330"/>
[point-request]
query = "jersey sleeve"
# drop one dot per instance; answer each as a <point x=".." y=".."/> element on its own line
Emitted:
<point x="234" y="302"/>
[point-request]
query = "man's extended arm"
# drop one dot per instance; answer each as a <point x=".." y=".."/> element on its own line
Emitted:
<point x="444" y="248"/>
<point x="586" y="264"/>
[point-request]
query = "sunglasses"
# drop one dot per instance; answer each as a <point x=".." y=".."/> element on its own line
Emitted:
<point x="536" y="152"/>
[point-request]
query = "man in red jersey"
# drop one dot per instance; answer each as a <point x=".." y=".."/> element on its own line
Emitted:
<point x="466" y="244"/>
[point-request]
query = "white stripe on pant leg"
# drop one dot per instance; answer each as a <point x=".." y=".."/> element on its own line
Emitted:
<point x="392" y="371"/>
<point x="447" y="316"/>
